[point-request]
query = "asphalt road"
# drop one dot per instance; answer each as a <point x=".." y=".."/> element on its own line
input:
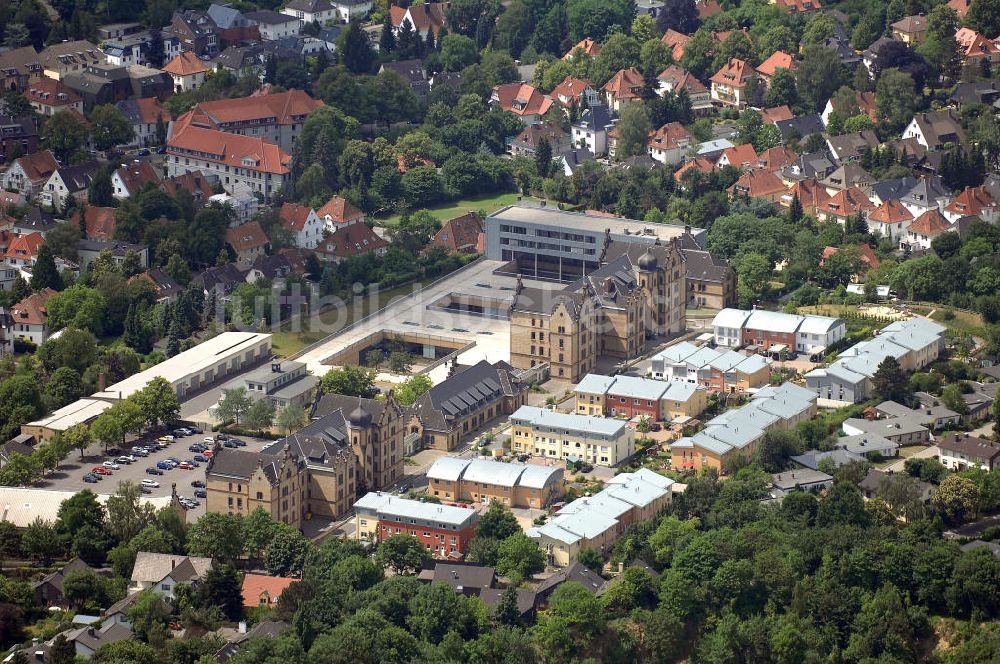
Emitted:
<point x="69" y="477"/>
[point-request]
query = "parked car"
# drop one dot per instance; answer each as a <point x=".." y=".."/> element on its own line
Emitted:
<point x="182" y="432"/>
<point x="174" y="459"/>
<point x="197" y="447"/>
<point x="230" y="444"/>
<point x="587" y="468"/>
<point x="200" y="458"/>
<point x="164" y="465"/>
<point x="146" y="490"/>
<point x="209" y="440"/>
<point x="90" y="478"/>
<point x="101" y="470"/>
<point x="198" y="484"/>
<point x="123" y="459"/>
<point x="200" y="493"/>
<point x="114" y="451"/>
<point x="184" y="465"/>
<point x="144" y="152"/>
<point x="111" y="464"/>
<point x="148" y="482"/>
<point x="239" y="443"/>
<point x="167" y="438"/>
<point x="208" y="454"/>
<point x="153" y="471"/>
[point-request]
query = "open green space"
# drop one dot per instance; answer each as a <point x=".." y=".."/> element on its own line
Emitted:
<point x="444" y="212"/>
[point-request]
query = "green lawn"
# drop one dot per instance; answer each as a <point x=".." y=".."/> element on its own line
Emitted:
<point x="488" y="204"/>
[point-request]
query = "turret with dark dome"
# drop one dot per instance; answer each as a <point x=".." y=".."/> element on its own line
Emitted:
<point x="647" y="262"/>
<point x="359" y="417"/>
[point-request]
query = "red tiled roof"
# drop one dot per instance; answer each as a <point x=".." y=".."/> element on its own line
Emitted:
<point x="776" y="114"/>
<point x="777" y="60"/>
<point x="625" y="84"/>
<point x="459" y="234"/>
<point x="246" y="236"/>
<point x="150" y="108"/>
<point x="891" y="212"/>
<point x="521" y="99"/>
<point x="675" y="41"/>
<point x="261" y="590"/>
<point x="31" y="310"/>
<point x="193" y="182"/>
<point x="756" y="184"/>
<point x="699" y="164"/>
<point x="707" y="8"/>
<point x="961" y="7"/>
<point x="799" y="6"/>
<point x="51" y="92"/>
<point x="24" y="247"/>
<point x="810" y="192"/>
<point x="339" y="210"/>
<point x="734" y="73"/>
<point x="588" y="46"/>
<point x="296" y="257"/>
<point x="931" y="223"/>
<point x="427" y="16"/>
<point x="283" y="108"/>
<point x="864" y="252"/>
<point x="723" y="35"/>
<point x="669" y="136"/>
<point x="571" y="88"/>
<point x="353" y="240"/>
<point x="971" y="43"/>
<point x="294" y="217"/>
<point x="681" y="79"/>
<point x="99" y="221"/>
<point x="740" y="155"/>
<point x="776" y="158"/>
<point x="137" y="176"/>
<point x="846" y="203"/>
<point x="38" y="166"/>
<point x="185" y="64"/>
<point x="229" y="149"/>
<point x="971" y="201"/>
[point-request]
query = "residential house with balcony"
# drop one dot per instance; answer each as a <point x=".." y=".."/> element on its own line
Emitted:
<point x="843" y="205"/>
<point x="27" y="175"/>
<point x="729" y="84"/>
<point x="303" y="223"/>
<point x="48" y="96"/>
<point x="758" y="184"/>
<point x="624" y="88"/>
<point x="890" y="220"/>
<point x="911" y="30"/>
<point x="924" y="229"/>
<point x="521" y="99"/>
<point x="973" y="201"/>
<point x="935" y="130"/>
<point x="68" y="182"/>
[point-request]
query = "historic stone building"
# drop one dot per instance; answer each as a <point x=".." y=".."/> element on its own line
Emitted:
<point x="354" y="446"/>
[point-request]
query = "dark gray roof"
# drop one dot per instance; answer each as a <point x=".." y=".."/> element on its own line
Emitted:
<point x="38" y="220"/>
<point x="460" y="575"/>
<point x="543" y="301"/>
<point x="853" y="144"/>
<point x="116" y="247"/>
<point x="838" y="457"/>
<point x="268" y="628"/>
<point x="55" y="579"/>
<point x="976" y="92"/>
<point x="888" y="190"/>
<point x="465" y="392"/>
<point x="78" y="176"/>
<point x="927" y="190"/>
<point x="330" y="403"/>
<point x="22" y="127"/>
<point x="578" y="572"/>
<point x="803" y="126"/>
<point x="310" y="6"/>
<point x="225" y="277"/>
<point x="411" y="71"/>
<point x="268" y="17"/>
<point x="236" y="463"/>
<point x="577" y="156"/>
<point x="703" y="266"/>
<point x="595" y="118"/>
<point x="525" y="599"/>
<point x="236" y="58"/>
<point x="810" y="165"/>
<point x="274" y="266"/>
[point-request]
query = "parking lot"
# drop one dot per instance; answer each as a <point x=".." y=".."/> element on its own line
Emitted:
<point x="70" y="475"/>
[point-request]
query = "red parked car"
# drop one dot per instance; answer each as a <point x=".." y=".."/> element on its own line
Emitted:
<point x="207" y="454"/>
<point x="101" y="470"/>
<point x="185" y="465"/>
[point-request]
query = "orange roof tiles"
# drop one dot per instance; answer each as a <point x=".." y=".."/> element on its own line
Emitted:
<point x="588" y="46"/>
<point x="776" y="158"/>
<point x="246" y="236"/>
<point x="799" y="6"/>
<point x="681" y="79"/>
<point x="846" y="203"/>
<point x="739" y="156"/>
<point x="776" y="114"/>
<point x="137" y="176"/>
<point x="675" y="41"/>
<point x="150" y="109"/>
<point x="668" y="136"/>
<point x="233" y="150"/>
<point x="961" y="7"/>
<point x="625" y="84"/>
<point x="757" y="184"/>
<point x="429" y="16"/>
<point x="891" y="212"/>
<point x="777" y="60"/>
<point x="194" y="182"/>
<point x="261" y="590"/>
<point x="38" y="166"/>
<point x="339" y="210"/>
<point x="290" y="107"/>
<point x="459" y="234"/>
<point x="294" y="217"/>
<point x="353" y="240"/>
<point x="185" y="64"/>
<point x="931" y="223"/>
<point x="810" y="192"/>
<point x="707" y="8"/>
<point x="865" y="253"/>
<point x="971" y="43"/>
<point x="24" y="247"/>
<point x="50" y="92"/>
<point x="31" y="310"/>
<point x="570" y="88"/>
<point x="971" y="201"/>
<point x="99" y="222"/>
<point x="699" y="164"/>
<point x="734" y="73"/>
<point x="521" y="99"/>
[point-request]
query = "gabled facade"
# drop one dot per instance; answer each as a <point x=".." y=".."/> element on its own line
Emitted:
<point x="522" y="100"/>
<point x="68" y="182"/>
<point x="729" y="84"/>
<point x="27" y="175"/>
<point x="304" y="223"/>
<point x="935" y="130"/>
<point x="624" y="88"/>
<point x="187" y="72"/>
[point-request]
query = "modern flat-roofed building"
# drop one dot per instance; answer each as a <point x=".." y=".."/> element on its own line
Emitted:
<point x="630" y="396"/>
<point x="208" y="362"/>
<point x="778" y="331"/>
<point x="597" y="522"/>
<point x="551" y="243"/>
<point x="444" y="530"/>
<point x="484" y="481"/>
<point x="282" y="383"/>
<point x="546" y="433"/>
